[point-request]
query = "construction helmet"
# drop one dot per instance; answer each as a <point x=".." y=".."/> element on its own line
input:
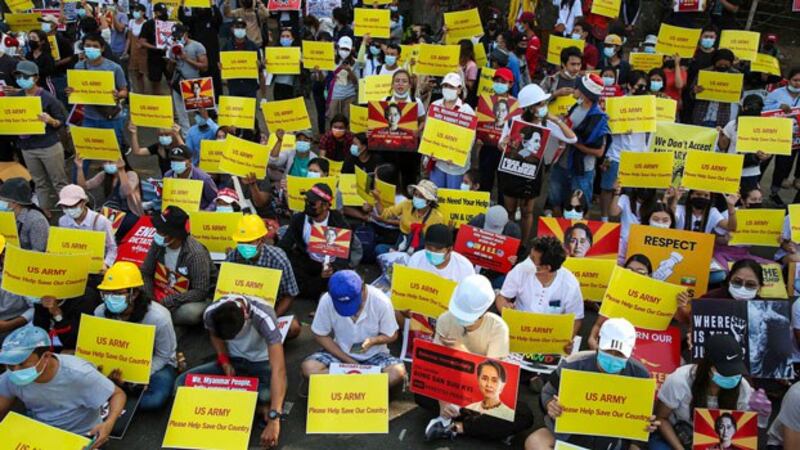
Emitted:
<point x="249" y="228"/>
<point x="531" y="95"/>
<point x="122" y="275"/>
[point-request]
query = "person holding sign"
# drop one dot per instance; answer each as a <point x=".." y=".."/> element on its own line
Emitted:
<point x="124" y="299"/>
<point x="699" y="215"/>
<point x="77" y="215"/>
<point x="239" y="42"/>
<point x="414" y="216"/>
<point x="612" y="57"/>
<point x="565" y="82"/>
<point x="32" y="225"/>
<point x="709" y="113"/>
<point x="335" y="144"/>
<point x="190" y="60"/>
<point x="167" y="140"/>
<point x="253" y="13"/>
<point x="439" y="258"/>
<point x="283" y="86"/>
<point x="181" y="166"/>
<point x="446" y="174"/>
<point x="744" y="281"/>
<point x="15" y="310"/>
<point x="344" y="83"/>
<point x="122" y="192"/>
<point x="752" y="105"/>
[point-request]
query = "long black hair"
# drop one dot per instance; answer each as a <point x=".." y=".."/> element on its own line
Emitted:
<point x="141" y="304"/>
<point x="727" y="398"/>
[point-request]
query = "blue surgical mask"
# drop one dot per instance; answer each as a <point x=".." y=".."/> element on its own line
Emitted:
<point x="165" y="140"/>
<point x="74" y="212"/>
<point x="608" y="81"/>
<point x="374" y="51"/>
<point x="4" y="206"/>
<point x="92" y="53"/>
<point x="576" y="36"/>
<point x="302" y="146"/>
<point x="354" y="150"/>
<point x="81" y="12"/>
<point x="199" y="120"/>
<point x="707" y="43"/>
<point x="656" y="86"/>
<point x="47" y="27"/>
<point x="159" y="240"/>
<point x="573" y="215"/>
<point x="137" y="15"/>
<point x="463" y="323"/>
<point x="116" y="303"/>
<point x="285" y="42"/>
<point x="224" y="208"/>
<point x="520" y="28"/>
<point x="313" y="175"/>
<point x="248" y="251"/>
<point x="419" y="203"/>
<point x="500" y="88"/>
<point x="465" y="186"/>
<point x="610" y="363"/>
<point x="25" y="83"/>
<point x="110" y="169"/>
<point x="650" y="49"/>
<point x="24" y="377"/>
<point x="609" y="51"/>
<point x="178" y="167"/>
<point x="434" y="258"/>
<point x="542" y="111"/>
<point x="239" y="33"/>
<point x="726" y="382"/>
<point x="390" y="60"/>
<point x="792" y="89"/>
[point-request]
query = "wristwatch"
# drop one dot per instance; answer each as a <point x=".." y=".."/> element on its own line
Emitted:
<point x="275" y="414"/>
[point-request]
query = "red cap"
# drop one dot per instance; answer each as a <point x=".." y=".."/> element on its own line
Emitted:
<point x="527" y="17"/>
<point x="772" y="37"/>
<point x="505" y="74"/>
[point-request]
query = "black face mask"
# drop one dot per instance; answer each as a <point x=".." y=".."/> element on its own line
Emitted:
<point x="722" y="69"/>
<point x="639" y="90"/>
<point x="754" y="206"/>
<point x="669" y="64"/>
<point x="310" y="210"/>
<point x="33" y="45"/>
<point x="699" y="202"/>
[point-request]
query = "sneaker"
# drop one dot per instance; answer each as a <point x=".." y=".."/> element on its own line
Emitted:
<point x="777" y="200"/>
<point x="439" y="429"/>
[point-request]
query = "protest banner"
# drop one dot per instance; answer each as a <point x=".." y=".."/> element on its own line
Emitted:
<point x="493" y="113"/>
<point x="221" y="382"/>
<point x="689" y="5"/>
<point x="288" y="143"/>
<point x="773" y="135"/>
<point x="631" y="114"/>
<point x="590" y="238"/>
<point x="407" y="53"/>
<point x="239" y="112"/>
<point x="184" y="193"/>
<point x="289" y="115"/>
<point x="464" y="24"/>
<point x="20" y="115"/>
<point x="766" y="64"/>
<point x="358" y="118"/>
<point x="794" y="114"/>
<point x="348" y="404"/>
<point x="19" y="6"/>
<point x="524" y="149"/>
<point x="297" y="186"/>
<point x="211" y="154"/>
<point x="459" y="207"/>
<point x="214" y="229"/>
<point x="241" y="157"/>
<point x="794" y="221"/>
<point x="531" y="333"/>
<point x="557" y="43"/>
<point x="8" y="228"/>
<point x="151" y="110"/>
<point x="23" y="433"/>
<point x="91" y="87"/>
<point x="646" y="170"/>
<point x="711" y="171"/>
<point x="646" y="61"/>
<point x="593" y="275"/>
<point x="724" y="429"/>
<point x="774" y="286"/>
<point x="561" y="445"/>
<point x="209" y="419"/>
<point x="561" y="105"/>
<point x="645" y="302"/>
<point x="672" y="40"/>
<point x="137" y="241"/>
<point x="284" y="5"/>
<point x="659" y="351"/>
<point x="607" y="8"/>
<point x="420" y="291"/>
<point x="114" y="216"/>
<point x="348" y="188"/>
<point x="453" y="376"/>
<point x="239" y="65"/>
<point x="374" y="88"/>
<point x="486" y="81"/>
<point x="666" y="110"/>
<point x="374" y="22"/>
<point x="448" y="135"/>
<point x="244" y="279"/>
<point x="198" y="93"/>
<point x="386" y="192"/>
<point x="364" y="186"/>
<point x="334" y="167"/>
<point x="743" y="44"/>
<point x="282" y="60"/>
<point x="318" y="55"/>
<point x="677" y="256"/>
<point x="719" y="87"/>
<point x="117" y="344"/>
<point x="392" y="126"/>
<point x="416" y="327"/>
<point x="164" y="29"/>
<point x="95" y="143"/>
<point x="69" y="241"/>
<point x="22" y="22"/>
<point x="36" y="274"/>
<point x="197" y="3"/>
<point x="601" y="404"/>
<point x="437" y="60"/>
<point x="488" y="250"/>
<point x="678" y="138"/>
<point x="758" y="227"/>
<point x="330" y="241"/>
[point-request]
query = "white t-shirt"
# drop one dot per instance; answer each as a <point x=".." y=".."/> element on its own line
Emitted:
<point x="563" y="296"/>
<point x="444" y="166"/>
<point x="676" y="393"/>
<point x="714" y="218"/>
<point x="730" y="132"/>
<point x="556" y="139"/>
<point x="458" y="268"/>
<point x="634" y="142"/>
<point x="568" y="16"/>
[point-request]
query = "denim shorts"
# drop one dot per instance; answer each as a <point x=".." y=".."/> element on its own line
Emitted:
<point x="609" y="176"/>
<point x="382" y="360"/>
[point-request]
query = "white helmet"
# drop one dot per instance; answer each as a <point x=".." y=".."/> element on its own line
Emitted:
<point x="471" y="298"/>
<point x="531" y="95"/>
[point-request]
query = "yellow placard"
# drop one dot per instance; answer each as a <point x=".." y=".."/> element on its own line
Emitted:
<point x="557" y="43"/>
<point x="348" y="187"/>
<point x="646" y="302"/>
<point x="794" y="222"/>
<point x="289" y="142"/>
<point x="446" y="141"/>
<point x="95" y="143"/>
<point x="362" y="186"/>
<point x="459" y="207"/>
<point x="19" y="6"/>
<point x="239" y="65"/>
<point x="23" y="22"/>
<point x="348" y="404"/>
<point x="377" y="2"/>
<point x="561" y="105"/>
<point x="197" y="3"/>
<point x="666" y="109"/>
<point x="646" y="170"/>
<point x="486" y="81"/>
<point x="184" y="193"/>
<point x="20" y="115"/>
<point x="37" y="274"/>
<point x="8" y="227"/>
<point x="210" y="154"/>
<point x="672" y="40"/>
<point x="282" y="60"/>
<point x="243" y="279"/>
<point x="743" y="44"/>
<point x="386" y="192"/>
<point x="91" y="87"/>
<point x="773" y="287"/>
<point x="215" y="229"/>
<point x="631" y="114"/>
<point x="239" y="112"/>
<point x="679" y="138"/>
<point x="646" y="61"/>
<point x="374" y="88"/>
<point x="151" y="110"/>
<point x="407" y="53"/>
<point x="297" y="186"/>
<point x="561" y="445"/>
<point x="719" y="86"/>
<point x="437" y="60"/>
<point x="593" y="275"/>
<point x="117" y="344"/>
<point x="242" y="157"/>
<point x="358" y="118"/>
<point x="70" y="241"/>
<point x="420" y="291"/>
<point x="711" y="171"/>
<point x="607" y="8"/>
<point x="531" y="333"/>
<point x="20" y="432"/>
<point x="54" y="52"/>
<point x="218" y="419"/>
<point x="463" y="24"/>
<point x="334" y="167"/>
<point x="766" y="64"/>
<point x="374" y="22"/>
<point x="318" y="55"/>
<point x="289" y="115"/>
<point x="480" y="57"/>
<point x="758" y="227"/>
<point x="767" y="134"/>
<point x="601" y="404"/>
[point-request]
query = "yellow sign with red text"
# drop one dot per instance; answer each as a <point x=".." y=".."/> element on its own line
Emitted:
<point x="243" y="279"/>
<point x="215" y="229"/>
<point x="37" y="274"/>
<point x="183" y="193"/>
<point x="420" y="291"/>
<point x="645" y="302"/>
<point x="631" y="114"/>
<point x="297" y="186"/>
<point x="607" y="8"/>
<point x="91" y="87"/>
<point x="318" y="55"/>
<point x="117" y="344"/>
<point x="766" y="64"/>
<point x="151" y="110"/>
<point x="437" y="60"/>
<point x="464" y="24"/>
<point x="646" y="169"/>
<point x="242" y="157"/>
<point x="69" y="241"/>
<point x="592" y="274"/>
<point x="720" y="87"/>
<point x="743" y="44"/>
<point x="646" y="61"/>
<point x="672" y="40"/>
<point x="288" y="115"/>
<point x="95" y="143"/>
<point x="531" y="333"/>
<point x="239" y="112"/>
<point x="20" y="115"/>
<point x="459" y="207"/>
<point x="557" y="43"/>
<point x="210" y="154"/>
<point x="446" y="141"/>
<point x="282" y="60"/>
<point x="771" y="135"/>
<point x="238" y="65"/>
<point x="794" y="222"/>
<point x="666" y="109"/>
<point x="22" y="433"/>
<point x="374" y="22"/>
<point x="348" y="404"/>
<point x="758" y="227"/>
<point x="711" y="171"/>
<point x="8" y="228"/>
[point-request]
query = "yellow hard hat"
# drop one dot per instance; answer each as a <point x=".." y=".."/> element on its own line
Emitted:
<point x="249" y="228"/>
<point x="122" y="275"/>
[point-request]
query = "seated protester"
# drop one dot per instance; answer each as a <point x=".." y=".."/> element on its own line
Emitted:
<point x="471" y="181"/>
<point x="293" y="162"/>
<point x="61" y="318"/>
<point x="335" y="143"/>
<point x="438" y="256"/>
<point x="15" y="310"/>
<point x="178" y="271"/>
<point x="446" y="174"/>
<point x="387" y="232"/>
<point x="63" y="391"/>
<point x="312" y="270"/>
<point x="252" y="249"/>
<point x="181" y="167"/>
<point x="204" y="128"/>
<point x="744" y="282"/>
<point x="414" y="216"/>
<point x="353" y="324"/>
<point x="540" y="284"/>
<point x="700" y="214"/>
<point x="617" y="339"/>
<point x="467" y="325"/>
<point x="121" y="189"/>
<point x="257" y="191"/>
<point x="124" y="299"/>
<point x="168" y="138"/>
<point x="628" y="207"/>
<point x="318" y="168"/>
<point x="715" y="381"/>
<point x="77" y="215"/>
<point x="32" y="225"/>
<point x="244" y="334"/>
<point x="496" y="221"/>
<point x="227" y="201"/>
<point x="360" y="156"/>
<point x="784" y="433"/>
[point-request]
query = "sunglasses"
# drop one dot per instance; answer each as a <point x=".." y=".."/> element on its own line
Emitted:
<point x="738" y="283"/>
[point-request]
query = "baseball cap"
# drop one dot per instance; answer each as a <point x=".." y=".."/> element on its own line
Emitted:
<point x="171" y="221"/>
<point x="438" y="235"/>
<point x="612" y="39"/>
<point x="471" y="298"/>
<point x="160" y="7"/>
<point x="27" y="68"/>
<point x="319" y="191"/>
<point x="725" y="354"/>
<point x="178" y="30"/>
<point x="453" y="79"/>
<point x="70" y="195"/>
<point x="617" y="334"/>
<point x="345" y="42"/>
<point x="181" y="153"/>
<point x="505" y="74"/>
<point x="19" y="345"/>
<point x="239" y="23"/>
<point x="345" y="288"/>
<point x="651" y="39"/>
<point x="227" y="195"/>
<point x="496" y="219"/>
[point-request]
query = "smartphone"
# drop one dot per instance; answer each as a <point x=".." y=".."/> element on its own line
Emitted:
<point x="91" y="443"/>
<point x="357" y="348"/>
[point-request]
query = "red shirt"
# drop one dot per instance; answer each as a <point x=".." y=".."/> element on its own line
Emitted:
<point x="532" y="54"/>
<point x="591" y="56"/>
<point x="669" y="87"/>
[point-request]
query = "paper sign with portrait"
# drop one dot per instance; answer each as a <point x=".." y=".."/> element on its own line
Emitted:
<point x="523" y="150"/>
<point x="392" y="126"/>
<point x="493" y="113"/>
<point x="723" y="429"/>
<point x="198" y="93"/>
<point x="583" y="238"/>
<point x="330" y="241"/>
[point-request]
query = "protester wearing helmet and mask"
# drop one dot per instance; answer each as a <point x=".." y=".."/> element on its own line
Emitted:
<point x="612" y="57"/>
<point x="182" y="167"/>
<point x="445" y="174"/>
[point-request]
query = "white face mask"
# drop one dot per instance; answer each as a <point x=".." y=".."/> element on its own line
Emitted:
<point x="344" y="54"/>
<point x="449" y="94"/>
<point x="659" y="224"/>
<point x="742" y="293"/>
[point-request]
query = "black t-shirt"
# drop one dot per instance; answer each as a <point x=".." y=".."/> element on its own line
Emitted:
<point x="66" y="49"/>
<point x="149" y="34"/>
<point x="163" y="163"/>
<point x="351" y="162"/>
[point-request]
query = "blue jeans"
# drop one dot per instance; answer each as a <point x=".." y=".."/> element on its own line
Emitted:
<point x="445" y="180"/>
<point x="657" y="442"/>
<point x="60" y="83"/>
<point x="562" y="183"/>
<point x="243" y="368"/>
<point x="159" y="389"/>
